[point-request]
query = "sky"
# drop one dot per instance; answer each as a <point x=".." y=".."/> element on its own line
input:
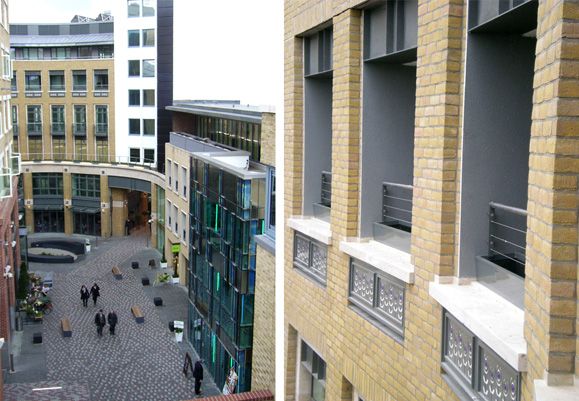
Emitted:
<point x="223" y="49"/>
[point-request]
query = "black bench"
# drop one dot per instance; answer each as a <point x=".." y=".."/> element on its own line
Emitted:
<point x="117" y="273"/>
<point x="145" y="281"/>
<point x="158" y="301"/>
<point x="66" y="328"/>
<point x="139" y="318"/>
<point x="37" y="338"/>
<point x="135" y="265"/>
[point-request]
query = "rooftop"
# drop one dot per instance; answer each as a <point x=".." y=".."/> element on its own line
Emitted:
<point x="231" y="109"/>
<point x="61" y="40"/>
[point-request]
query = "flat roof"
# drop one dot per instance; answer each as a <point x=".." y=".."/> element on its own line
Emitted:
<point x="221" y="109"/>
<point x="61" y="40"/>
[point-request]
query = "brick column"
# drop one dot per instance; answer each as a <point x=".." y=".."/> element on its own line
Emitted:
<point x="291" y="344"/>
<point x="28" y="211"/>
<point x="68" y="214"/>
<point x="105" y="211"/>
<point x="437" y="126"/>
<point x="551" y="269"/>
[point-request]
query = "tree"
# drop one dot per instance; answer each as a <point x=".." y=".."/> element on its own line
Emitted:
<point x="23" y="282"/>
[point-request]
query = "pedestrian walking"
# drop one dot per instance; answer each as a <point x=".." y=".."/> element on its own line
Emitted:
<point x="95" y="291"/>
<point x="112" y="319"/>
<point x="230" y="382"/>
<point x="100" y="322"/>
<point x="84" y="295"/>
<point x="198" y="375"/>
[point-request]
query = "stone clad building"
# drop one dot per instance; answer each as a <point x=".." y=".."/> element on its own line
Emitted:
<point x="431" y="200"/>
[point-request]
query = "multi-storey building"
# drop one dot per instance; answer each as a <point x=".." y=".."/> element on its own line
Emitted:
<point x="220" y="196"/>
<point x="431" y="200"/>
<point x="143" y="58"/>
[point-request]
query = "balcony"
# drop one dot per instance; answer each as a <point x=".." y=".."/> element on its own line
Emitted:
<point x="101" y="129"/>
<point x="396" y="225"/>
<point x="79" y="91"/>
<point x="101" y="90"/>
<point x="57" y="91"/>
<point x="322" y="209"/>
<point x="15" y="129"/>
<point x="14" y="91"/>
<point x="34" y="129"/>
<point x="57" y="129"/>
<point x="503" y="268"/>
<point x="33" y="91"/>
<point x="79" y="129"/>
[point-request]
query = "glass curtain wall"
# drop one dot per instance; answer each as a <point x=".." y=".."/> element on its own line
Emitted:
<point x="238" y="134"/>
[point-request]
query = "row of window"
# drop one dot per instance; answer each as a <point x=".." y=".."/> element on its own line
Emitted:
<point x="57" y="151"/>
<point x="176" y="218"/>
<point x="62" y="53"/>
<point x="57" y="81"/>
<point x="141" y="38"/>
<point x="34" y="120"/>
<point x="145" y="97"/>
<point x="238" y="134"/>
<point x="147" y="70"/>
<point x="51" y="184"/>
<point x="141" y="8"/>
<point x="148" y="156"/>
<point x="145" y="126"/>
<point x="174" y="176"/>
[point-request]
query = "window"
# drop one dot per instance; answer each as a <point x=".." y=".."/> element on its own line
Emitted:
<point x="175" y="219"/>
<point x="105" y="51"/>
<point x="134" y="8"/>
<point x="148" y="68"/>
<point x="86" y="186"/>
<point x="14" y="82"/>
<point x="79" y="80"/>
<point x="15" y="120"/>
<point x="148" y="127"/>
<point x="47" y="184"/>
<point x="148" y="37"/>
<point x="31" y="53"/>
<point x="270" y="203"/>
<point x="80" y="150"/>
<point x="310" y="256"/>
<point x="56" y="80"/>
<point x="169" y="220"/>
<point x="58" y="147"/>
<point x="33" y="81"/>
<point x="169" y="171"/>
<point x="134" y="155"/>
<point x="183" y="228"/>
<point x="134" y="126"/>
<point x="57" y="119"/>
<point x="84" y="52"/>
<point x="176" y="176"/>
<point x="472" y="366"/>
<point x="134" y="97"/>
<point x="79" y="124"/>
<point x="35" y="148"/>
<point x="149" y="155"/>
<point x="6" y="65"/>
<point x="134" y="38"/>
<point x="102" y="120"/>
<point x="148" y="8"/>
<point x="101" y="80"/>
<point x="102" y="149"/>
<point x="58" y="53"/>
<point x="314" y="381"/>
<point x="184" y="181"/>
<point x="134" y="68"/>
<point x="378" y="296"/>
<point x="34" y="119"/>
<point x="148" y="97"/>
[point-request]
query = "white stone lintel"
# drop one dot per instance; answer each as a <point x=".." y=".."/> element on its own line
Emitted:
<point x="312" y="227"/>
<point x="392" y="261"/>
<point x="493" y="319"/>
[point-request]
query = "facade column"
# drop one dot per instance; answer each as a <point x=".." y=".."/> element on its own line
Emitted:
<point x="28" y="208"/>
<point x="154" y="217"/>
<point x="119" y="212"/>
<point x="105" y="207"/>
<point x="68" y="214"/>
<point x="551" y="264"/>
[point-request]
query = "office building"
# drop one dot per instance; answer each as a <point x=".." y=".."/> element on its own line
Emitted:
<point x="431" y="200"/>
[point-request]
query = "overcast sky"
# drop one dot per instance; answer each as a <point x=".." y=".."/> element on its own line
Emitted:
<point x="224" y="49"/>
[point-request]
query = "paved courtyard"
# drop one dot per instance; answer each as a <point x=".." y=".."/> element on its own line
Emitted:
<point x="142" y="362"/>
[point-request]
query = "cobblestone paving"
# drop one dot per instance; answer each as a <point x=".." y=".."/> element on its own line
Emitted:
<point x="142" y="362"/>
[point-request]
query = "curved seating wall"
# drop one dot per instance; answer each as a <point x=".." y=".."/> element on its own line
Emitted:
<point x="75" y="247"/>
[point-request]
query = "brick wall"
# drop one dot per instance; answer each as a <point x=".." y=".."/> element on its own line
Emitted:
<point x="268" y="139"/>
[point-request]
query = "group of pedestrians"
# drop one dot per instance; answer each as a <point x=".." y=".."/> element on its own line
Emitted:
<point x="99" y="320"/>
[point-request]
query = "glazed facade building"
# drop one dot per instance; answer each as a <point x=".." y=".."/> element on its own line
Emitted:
<point x="217" y="212"/>
<point x="431" y="200"/>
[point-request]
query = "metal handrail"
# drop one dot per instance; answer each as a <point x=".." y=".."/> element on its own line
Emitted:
<point x="87" y="158"/>
<point x="326" y="189"/>
<point x="515" y="210"/>
<point x="507" y="239"/>
<point x="392" y="210"/>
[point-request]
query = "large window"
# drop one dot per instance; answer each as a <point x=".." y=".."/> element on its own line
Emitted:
<point x="35" y="148"/>
<point x="101" y="80"/>
<point x="102" y="149"/>
<point x="148" y="68"/>
<point x="102" y="120"/>
<point x="148" y="8"/>
<point x="79" y="80"/>
<point x="87" y="223"/>
<point x="134" y="97"/>
<point x="239" y="134"/>
<point x="57" y="80"/>
<point x="149" y="155"/>
<point x="134" y="126"/>
<point x="134" y="8"/>
<point x="32" y="81"/>
<point x="34" y="118"/>
<point x="58" y="147"/>
<point x="148" y="97"/>
<point x="134" y="155"/>
<point x="57" y="119"/>
<point x="79" y="124"/>
<point x="134" y="68"/>
<point x="14" y="82"/>
<point x="15" y="129"/>
<point x="46" y="184"/>
<point x="314" y="381"/>
<point x="87" y="186"/>
<point x="80" y="150"/>
<point x="46" y="221"/>
<point x="148" y="37"/>
<point x="310" y="256"/>
<point x="134" y="38"/>
<point x="148" y="127"/>
<point x="377" y="296"/>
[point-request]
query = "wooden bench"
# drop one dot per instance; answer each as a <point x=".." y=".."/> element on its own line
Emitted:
<point x="66" y="329"/>
<point x="117" y="273"/>
<point x="139" y="318"/>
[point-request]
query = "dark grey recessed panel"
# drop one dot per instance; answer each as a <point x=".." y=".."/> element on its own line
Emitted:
<point x="131" y="184"/>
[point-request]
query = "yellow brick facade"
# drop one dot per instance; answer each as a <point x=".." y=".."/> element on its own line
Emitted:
<point x="360" y="358"/>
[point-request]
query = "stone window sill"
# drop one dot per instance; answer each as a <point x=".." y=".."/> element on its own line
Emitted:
<point x="383" y="257"/>
<point x="544" y="392"/>
<point x="494" y="320"/>
<point x="312" y="227"/>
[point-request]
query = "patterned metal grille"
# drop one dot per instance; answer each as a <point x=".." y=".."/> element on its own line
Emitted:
<point x="310" y="256"/>
<point x="459" y="347"/>
<point x="302" y="253"/>
<point x="498" y="381"/>
<point x="326" y="190"/>
<point x="319" y="260"/>
<point x="378" y="294"/>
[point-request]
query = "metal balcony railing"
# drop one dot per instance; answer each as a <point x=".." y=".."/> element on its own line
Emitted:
<point x="101" y="87"/>
<point x="508" y="237"/>
<point x="79" y="88"/>
<point x="101" y="129"/>
<point x="326" y="189"/>
<point x="33" y="88"/>
<point x="79" y="128"/>
<point x="397" y="205"/>
<point x="15" y="129"/>
<point x="88" y="158"/>
<point x="57" y="87"/>
<point x="34" y="128"/>
<point x="57" y="128"/>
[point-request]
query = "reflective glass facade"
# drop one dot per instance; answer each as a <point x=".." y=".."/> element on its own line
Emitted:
<point x="238" y="134"/>
<point x="226" y="214"/>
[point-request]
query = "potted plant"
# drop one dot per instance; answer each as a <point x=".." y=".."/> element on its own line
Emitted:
<point x="163" y="260"/>
<point x="163" y="278"/>
<point x="87" y="245"/>
<point x="178" y="334"/>
<point x="175" y="278"/>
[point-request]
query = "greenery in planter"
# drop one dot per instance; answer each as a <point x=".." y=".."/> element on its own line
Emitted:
<point x="178" y="330"/>
<point x="163" y="278"/>
<point x="23" y="282"/>
<point x="163" y="260"/>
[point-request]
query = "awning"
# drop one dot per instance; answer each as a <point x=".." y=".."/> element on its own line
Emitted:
<point x="89" y="210"/>
<point x="48" y="207"/>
